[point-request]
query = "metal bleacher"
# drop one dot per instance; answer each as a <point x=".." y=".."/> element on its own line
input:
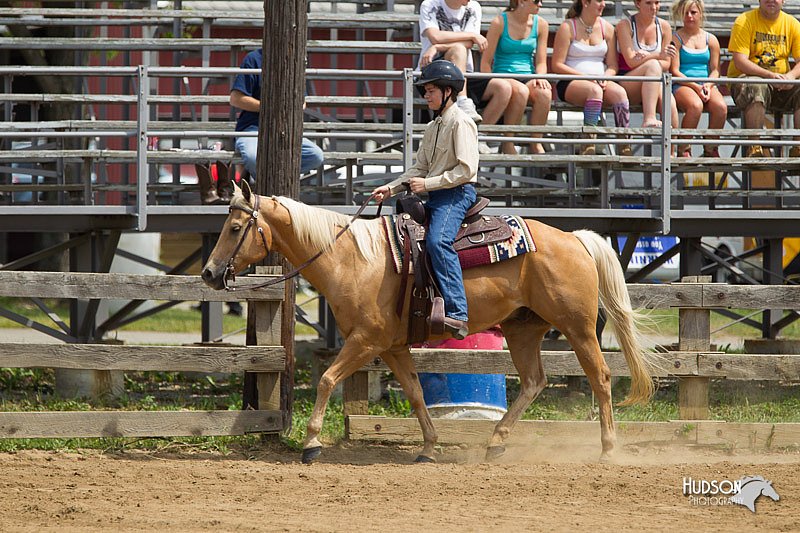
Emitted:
<point x="96" y="167"/>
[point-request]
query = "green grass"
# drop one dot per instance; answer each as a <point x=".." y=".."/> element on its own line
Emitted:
<point x="665" y="321"/>
<point x="174" y="319"/>
<point x="33" y="390"/>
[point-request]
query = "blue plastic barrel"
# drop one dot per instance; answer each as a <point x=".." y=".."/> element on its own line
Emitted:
<point x="479" y="396"/>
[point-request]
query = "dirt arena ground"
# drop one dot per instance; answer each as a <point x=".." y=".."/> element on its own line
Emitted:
<point x="360" y="487"/>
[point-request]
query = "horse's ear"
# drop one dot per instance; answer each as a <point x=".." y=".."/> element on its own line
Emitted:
<point x="246" y="192"/>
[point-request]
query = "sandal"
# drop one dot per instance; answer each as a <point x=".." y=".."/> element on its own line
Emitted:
<point x="684" y="151"/>
<point x="624" y="150"/>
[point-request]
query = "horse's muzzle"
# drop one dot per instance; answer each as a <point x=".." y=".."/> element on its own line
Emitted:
<point x="213" y="279"/>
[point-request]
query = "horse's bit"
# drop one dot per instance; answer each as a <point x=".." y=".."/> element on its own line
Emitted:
<point x="230" y="271"/>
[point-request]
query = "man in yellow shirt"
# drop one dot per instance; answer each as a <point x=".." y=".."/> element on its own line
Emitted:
<point x="761" y="43"/>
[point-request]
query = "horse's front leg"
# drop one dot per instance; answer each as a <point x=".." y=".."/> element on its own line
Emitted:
<point x="354" y="354"/>
<point x="402" y="365"/>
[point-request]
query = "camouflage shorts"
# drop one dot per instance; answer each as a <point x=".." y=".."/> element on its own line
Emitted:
<point x="745" y="94"/>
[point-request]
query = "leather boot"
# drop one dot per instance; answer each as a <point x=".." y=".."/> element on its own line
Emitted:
<point x="224" y="182"/>
<point x="457" y="328"/>
<point x="208" y="190"/>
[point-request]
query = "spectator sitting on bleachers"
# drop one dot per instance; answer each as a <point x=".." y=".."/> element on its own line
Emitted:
<point x="762" y="40"/>
<point x="518" y="45"/>
<point x="698" y="57"/>
<point x="448" y="29"/>
<point x="644" y="43"/>
<point x="246" y="95"/>
<point x="589" y="49"/>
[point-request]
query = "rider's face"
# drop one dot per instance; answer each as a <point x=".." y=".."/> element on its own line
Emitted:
<point x="433" y="95"/>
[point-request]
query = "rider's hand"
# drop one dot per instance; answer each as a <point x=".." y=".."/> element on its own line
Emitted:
<point x="417" y="185"/>
<point x="381" y="193"/>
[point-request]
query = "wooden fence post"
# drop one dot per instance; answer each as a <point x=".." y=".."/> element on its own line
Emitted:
<point x="694" y="335"/>
<point x="355" y="394"/>
<point x="268" y="333"/>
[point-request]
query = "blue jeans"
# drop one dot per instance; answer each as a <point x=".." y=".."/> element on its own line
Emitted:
<point x="311" y="155"/>
<point x="447" y="208"/>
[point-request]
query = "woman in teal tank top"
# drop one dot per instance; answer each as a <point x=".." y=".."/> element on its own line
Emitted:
<point x="698" y="57"/>
<point x="517" y="44"/>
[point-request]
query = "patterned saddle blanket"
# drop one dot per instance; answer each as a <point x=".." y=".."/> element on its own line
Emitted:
<point x="476" y="247"/>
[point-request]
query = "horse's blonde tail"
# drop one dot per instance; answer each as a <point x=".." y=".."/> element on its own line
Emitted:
<point x="615" y="299"/>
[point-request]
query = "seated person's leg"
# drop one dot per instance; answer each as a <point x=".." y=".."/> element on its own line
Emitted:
<point x="457" y="54"/>
<point x="311" y="156"/>
<point x="541" y="100"/>
<point x="753" y="99"/>
<point x="494" y="95"/>
<point x="785" y="102"/>
<point x="588" y="95"/>
<point x="248" y="149"/>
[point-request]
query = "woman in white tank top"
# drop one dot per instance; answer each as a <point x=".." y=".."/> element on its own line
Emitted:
<point x="645" y="48"/>
<point x="585" y="45"/>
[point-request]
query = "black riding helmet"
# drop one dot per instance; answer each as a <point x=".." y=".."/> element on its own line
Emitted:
<point x="442" y="73"/>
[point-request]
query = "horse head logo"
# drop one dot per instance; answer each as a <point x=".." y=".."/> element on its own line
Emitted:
<point x="751" y="488"/>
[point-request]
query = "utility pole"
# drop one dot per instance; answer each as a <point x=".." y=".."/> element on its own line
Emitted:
<point x="280" y="134"/>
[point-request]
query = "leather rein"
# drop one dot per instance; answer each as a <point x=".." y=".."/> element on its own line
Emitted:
<point x="230" y="271"/>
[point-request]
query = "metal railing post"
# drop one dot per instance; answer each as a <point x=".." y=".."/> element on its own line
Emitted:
<point x="666" y="150"/>
<point x="408" y="117"/>
<point x="142" y="174"/>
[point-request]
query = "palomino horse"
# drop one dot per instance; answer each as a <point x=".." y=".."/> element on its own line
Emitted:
<point x="556" y="286"/>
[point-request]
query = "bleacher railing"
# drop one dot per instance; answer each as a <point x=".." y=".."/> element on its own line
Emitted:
<point x="139" y="192"/>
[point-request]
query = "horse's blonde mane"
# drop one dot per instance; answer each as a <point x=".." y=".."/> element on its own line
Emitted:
<point x="317" y="228"/>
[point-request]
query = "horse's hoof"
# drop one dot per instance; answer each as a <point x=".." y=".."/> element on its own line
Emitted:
<point x="310" y="454"/>
<point x="424" y="459"/>
<point x="606" y="459"/>
<point x="495" y="452"/>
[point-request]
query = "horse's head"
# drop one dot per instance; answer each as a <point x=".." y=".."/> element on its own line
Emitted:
<point x="245" y="238"/>
<point x="768" y="490"/>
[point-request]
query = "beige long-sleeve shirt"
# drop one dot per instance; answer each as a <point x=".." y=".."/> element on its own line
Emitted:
<point x="452" y="161"/>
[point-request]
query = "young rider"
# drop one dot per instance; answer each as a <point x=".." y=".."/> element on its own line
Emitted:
<point x="446" y="168"/>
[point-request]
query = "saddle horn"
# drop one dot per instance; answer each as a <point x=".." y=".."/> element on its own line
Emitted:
<point x="412" y="204"/>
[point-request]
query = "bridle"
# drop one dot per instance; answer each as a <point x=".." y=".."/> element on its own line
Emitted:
<point x="230" y="271"/>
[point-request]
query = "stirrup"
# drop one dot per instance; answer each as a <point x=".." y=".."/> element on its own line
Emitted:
<point x="457" y="328"/>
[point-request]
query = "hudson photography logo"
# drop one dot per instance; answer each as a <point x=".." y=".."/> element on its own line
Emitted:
<point x="744" y="491"/>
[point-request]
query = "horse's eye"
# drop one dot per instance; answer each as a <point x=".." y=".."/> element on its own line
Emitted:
<point x="235" y="227"/>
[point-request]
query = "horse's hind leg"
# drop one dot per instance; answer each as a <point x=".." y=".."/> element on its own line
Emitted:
<point x="352" y="356"/>
<point x="584" y="341"/>
<point x="524" y="339"/>
<point x="402" y="365"/>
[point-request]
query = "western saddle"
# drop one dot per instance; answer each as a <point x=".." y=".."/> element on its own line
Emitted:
<point x="426" y="306"/>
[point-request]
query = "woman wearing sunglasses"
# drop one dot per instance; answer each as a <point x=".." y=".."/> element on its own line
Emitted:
<point x="517" y="44"/>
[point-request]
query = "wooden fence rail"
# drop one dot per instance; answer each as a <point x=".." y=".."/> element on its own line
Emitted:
<point x="693" y="363"/>
<point x="267" y="359"/>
